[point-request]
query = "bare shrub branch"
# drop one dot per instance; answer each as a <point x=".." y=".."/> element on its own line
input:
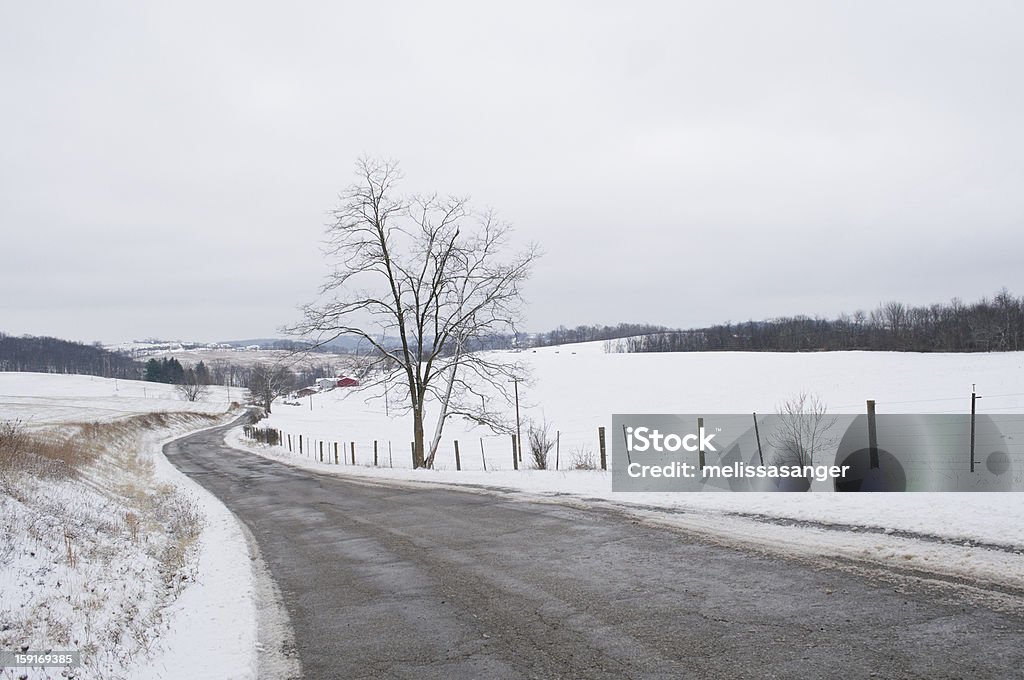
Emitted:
<point x="541" y="442"/>
<point x="803" y="429"/>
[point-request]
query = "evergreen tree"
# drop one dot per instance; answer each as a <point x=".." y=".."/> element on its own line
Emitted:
<point x="154" y="371"/>
<point x="174" y="373"/>
<point x="202" y="374"/>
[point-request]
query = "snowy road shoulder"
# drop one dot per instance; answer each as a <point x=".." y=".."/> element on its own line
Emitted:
<point x="211" y="629"/>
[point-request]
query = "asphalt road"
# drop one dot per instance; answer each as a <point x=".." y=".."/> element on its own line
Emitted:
<point x="394" y="582"/>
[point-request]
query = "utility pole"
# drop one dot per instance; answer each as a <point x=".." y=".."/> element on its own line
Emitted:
<point x="519" y="431"/>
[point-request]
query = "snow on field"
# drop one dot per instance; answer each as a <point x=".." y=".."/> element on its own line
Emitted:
<point x="125" y="560"/>
<point x="42" y="399"/>
<point x="577" y="388"/>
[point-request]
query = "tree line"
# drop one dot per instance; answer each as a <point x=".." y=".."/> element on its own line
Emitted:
<point x="988" y="325"/>
<point x="565" y="336"/>
<point x="42" y="354"/>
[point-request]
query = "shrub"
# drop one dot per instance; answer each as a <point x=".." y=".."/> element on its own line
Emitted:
<point x="540" y="441"/>
<point x="583" y="459"/>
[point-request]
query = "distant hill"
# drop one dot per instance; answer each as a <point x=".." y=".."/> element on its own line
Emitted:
<point x="343" y="344"/>
<point x="40" y="354"/>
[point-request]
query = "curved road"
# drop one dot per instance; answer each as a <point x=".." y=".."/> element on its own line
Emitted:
<point x="392" y="582"/>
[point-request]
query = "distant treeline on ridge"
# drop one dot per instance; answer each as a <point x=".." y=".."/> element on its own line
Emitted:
<point x="989" y="325"/>
<point x="566" y="336"/>
<point x="51" y="355"/>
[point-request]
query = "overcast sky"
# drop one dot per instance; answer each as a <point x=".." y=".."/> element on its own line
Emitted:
<point x="166" y="168"/>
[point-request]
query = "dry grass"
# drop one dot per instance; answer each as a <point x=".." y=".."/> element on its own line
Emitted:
<point x="583" y="459"/>
<point x="66" y="451"/>
<point x="105" y="543"/>
<point x="132" y="522"/>
<point x="47" y="454"/>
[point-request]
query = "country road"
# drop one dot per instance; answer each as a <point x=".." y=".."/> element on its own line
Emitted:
<point x="396" y="582"/>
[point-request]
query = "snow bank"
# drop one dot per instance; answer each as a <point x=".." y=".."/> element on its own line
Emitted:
<point x="211" y="628"/>
<point x="127" y="560"/>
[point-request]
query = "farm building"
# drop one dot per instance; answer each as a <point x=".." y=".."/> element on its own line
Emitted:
<point x="347" y="382"/>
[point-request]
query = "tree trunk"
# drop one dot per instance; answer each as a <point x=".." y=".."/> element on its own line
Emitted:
<point x="443" y="415"/>
<point x="417" y="426"/>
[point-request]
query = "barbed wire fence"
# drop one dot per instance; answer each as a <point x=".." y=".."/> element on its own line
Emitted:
<point x="582" y="443"/>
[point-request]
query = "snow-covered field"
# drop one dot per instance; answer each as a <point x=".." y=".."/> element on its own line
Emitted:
<point x="577" y="388"/>
<point x="124" y="559"/>
<point x="42" y="399"/>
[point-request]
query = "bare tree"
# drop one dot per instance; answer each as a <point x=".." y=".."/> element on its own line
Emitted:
<point x="267" y="383"/>
<point x="803" y="429"/>
<point x="422" y="281"/>
<point x="895" y="315"/>
<point x="192" y="386"/>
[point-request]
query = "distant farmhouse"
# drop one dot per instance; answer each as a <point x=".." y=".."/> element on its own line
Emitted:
<point x="340" y="381"/>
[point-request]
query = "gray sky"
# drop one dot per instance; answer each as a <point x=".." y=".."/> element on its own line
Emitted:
<point x="166" y="169"/>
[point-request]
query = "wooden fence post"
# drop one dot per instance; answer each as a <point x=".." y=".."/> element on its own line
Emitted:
<point x="974" y="413"/>
<point x="483" y="458"/>
<point x="600" y="442"/>
<point x="374" y="453"/>
<point x="700" y="453"/>
<point x="458" y="461"/>
<point x="300" y="444"/>
<point x="757" y="435"/>
<point x="321" y="451"/>
<point x="353" y="453"/>
<point x="872" y="437"/>
<point x="335" y="453"/>
<point x="558" y="446"/>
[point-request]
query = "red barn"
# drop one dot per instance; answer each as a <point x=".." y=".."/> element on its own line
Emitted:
<point x="348" y="382"/>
